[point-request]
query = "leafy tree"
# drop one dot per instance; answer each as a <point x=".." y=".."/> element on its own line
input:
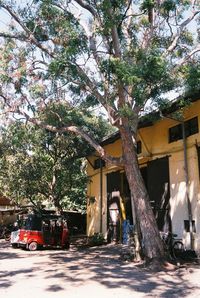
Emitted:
<point x="42" y="166"/>
<point x="120" y="54"/>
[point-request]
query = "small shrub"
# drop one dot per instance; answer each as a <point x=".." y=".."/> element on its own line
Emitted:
<point x="96" y="239"/>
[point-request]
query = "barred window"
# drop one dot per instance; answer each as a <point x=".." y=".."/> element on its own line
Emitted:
<point x="191" y="127"/>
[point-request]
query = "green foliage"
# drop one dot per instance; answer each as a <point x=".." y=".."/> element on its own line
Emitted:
<point x="42" y="170"/>
<point x="96" y="239"/>
<point x="147" y="4"/>
<point x="42" y="166"/>
<point x="148" y="71"/>
<point x="142" y="66"/>
<point x="84" y="62"/>
<point x="39" y="31"/>
<point x="169" y="5"/>
<point x="63" y="115"/>
<point x="192" y="74"/>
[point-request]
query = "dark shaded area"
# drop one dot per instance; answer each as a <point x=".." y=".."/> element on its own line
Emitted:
<point x="156" y="178"/>
<point x="5" y="276"/>
<point x="7" y="255"/>
<point x="159" y="193"/>
<point x="15" y="272"/>
<point x="5" y="284"/>
<point x="76" y="223"/>
<point x="118" y="195"/>
<point x="55" y="288"/>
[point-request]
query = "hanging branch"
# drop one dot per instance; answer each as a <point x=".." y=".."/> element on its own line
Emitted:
<point x="88" y="7"/>
<point x="177" y="36"/>
<point x="78" y="131"/>
<point x="30" y="36"/>
<point x="185" y="59"/>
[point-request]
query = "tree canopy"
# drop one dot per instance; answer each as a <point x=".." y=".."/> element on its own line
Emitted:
<point x="47" y="168"/>
<point x="83" y="49"/>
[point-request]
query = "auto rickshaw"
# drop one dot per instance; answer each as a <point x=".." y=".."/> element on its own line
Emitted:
<point x="41" y="230"/>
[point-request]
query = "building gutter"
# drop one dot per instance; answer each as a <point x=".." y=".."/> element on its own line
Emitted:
<point x="101" y="196"/>
<point x="189" y="205"/>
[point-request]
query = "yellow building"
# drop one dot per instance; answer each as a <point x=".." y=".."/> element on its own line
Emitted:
<point x="170" y="166"/>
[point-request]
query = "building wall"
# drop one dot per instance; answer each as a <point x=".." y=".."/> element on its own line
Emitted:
<point x="155" y="145"/>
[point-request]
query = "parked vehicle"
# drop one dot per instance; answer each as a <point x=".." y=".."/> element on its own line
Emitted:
<point x="36" y="231"/>
<point x="172" y="245"/>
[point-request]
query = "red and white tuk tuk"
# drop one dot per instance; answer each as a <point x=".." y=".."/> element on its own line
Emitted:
<point x="41" y="230"/>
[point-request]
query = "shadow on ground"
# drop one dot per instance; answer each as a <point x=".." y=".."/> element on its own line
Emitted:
<point x="102" y="265"/>
<point x="105" y="267"/>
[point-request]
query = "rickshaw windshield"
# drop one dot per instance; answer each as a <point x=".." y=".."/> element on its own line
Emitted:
<point x="31" y="222"/>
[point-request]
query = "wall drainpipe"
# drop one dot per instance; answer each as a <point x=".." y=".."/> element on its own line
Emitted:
<point x="189" y="206"/>
<point x="101" y="196"/>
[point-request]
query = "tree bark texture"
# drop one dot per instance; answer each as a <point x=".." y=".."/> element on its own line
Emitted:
<point x="151" y="242"/>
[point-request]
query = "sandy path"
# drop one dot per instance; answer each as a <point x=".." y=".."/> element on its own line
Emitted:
<point x="94" y="272"/>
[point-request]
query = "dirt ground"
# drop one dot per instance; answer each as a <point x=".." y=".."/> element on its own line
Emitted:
<point x="90" y="272"/>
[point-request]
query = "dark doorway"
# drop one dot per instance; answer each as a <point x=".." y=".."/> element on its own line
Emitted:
<point x="114" y="219"/>
<point x="156" y="179"/>
<point x="113" y="182"/>
<point x="144" y="175"/>
<point x="158" y="189"/>
<point x="119" y="204"/>
<point x="198" y="155"/>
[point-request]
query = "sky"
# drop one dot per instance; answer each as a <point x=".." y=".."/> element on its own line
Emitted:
<point x="4" y="17"/>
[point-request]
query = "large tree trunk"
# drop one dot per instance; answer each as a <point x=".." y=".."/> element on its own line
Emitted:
<point x="151" y="242"/>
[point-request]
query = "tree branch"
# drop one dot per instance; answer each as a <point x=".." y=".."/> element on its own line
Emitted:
<point x="92" y="86"/>
<point x="128" y="23"/>
<point x="185" y="59"/>
<point x="88" y="7"/>
<point x="116" y="43"/>
<point x="30" y="35"/>
<point x="93" y="89"/>
<point x="73" y="129"/>
<point x="20" y="37"/>
<point x="178" y="34"/>
<point x="126" y="13"/>
<point x="78" y="131"/>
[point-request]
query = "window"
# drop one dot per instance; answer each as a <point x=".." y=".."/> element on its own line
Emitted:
<point x="175" y="133"/>
<point x="198" y="155"/>
<point x="187" y="226"/>
<point x="191" y="127"/>
<point x="98" y="163"/>
<point x="139" y="147"/>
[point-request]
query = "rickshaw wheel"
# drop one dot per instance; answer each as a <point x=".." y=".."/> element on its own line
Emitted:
<point x="33" y="246"/>
<point x="7" y="236"/>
